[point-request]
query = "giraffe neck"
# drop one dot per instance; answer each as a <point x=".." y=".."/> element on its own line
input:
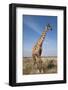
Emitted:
<point x="41" y="39"/>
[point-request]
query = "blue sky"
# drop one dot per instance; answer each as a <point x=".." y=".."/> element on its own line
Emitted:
<point x="33" y="26"/>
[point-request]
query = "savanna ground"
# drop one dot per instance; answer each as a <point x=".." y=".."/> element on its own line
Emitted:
<point x="49" y="65"/>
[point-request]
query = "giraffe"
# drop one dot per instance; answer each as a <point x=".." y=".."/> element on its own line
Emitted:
<point x="37" y="49"/>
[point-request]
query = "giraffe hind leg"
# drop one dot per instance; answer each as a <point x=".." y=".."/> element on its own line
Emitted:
<point x="34" y="59"/>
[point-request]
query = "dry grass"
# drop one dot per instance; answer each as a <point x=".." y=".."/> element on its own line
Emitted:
<point x="49" y="66"/>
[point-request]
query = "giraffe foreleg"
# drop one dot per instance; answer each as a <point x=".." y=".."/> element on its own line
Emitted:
<point x="39" y="63"/>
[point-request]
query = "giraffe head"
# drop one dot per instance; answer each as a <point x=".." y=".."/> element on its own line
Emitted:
<point x="48" y="27"/>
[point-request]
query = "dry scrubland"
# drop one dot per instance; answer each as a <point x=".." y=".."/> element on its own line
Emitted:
<point x="49" y="66"/>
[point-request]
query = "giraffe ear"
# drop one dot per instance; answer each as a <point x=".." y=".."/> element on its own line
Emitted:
<point x="51" y="29"/>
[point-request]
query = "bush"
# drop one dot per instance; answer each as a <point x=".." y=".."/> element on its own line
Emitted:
<point x="50" y="64"/>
